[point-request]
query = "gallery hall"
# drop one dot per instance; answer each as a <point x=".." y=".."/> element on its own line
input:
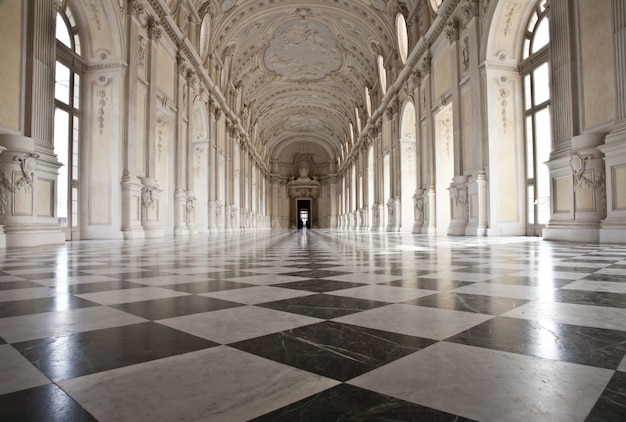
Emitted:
<point x="327" y="210"/>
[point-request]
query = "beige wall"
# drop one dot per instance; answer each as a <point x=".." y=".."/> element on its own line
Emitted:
<point x="596" y="45"/>
<point x="11" y="69"/>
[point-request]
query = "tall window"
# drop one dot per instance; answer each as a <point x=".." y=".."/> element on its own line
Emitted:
<point x="68" y="72"/>
<point x="403" y="37"/>
<point x="535" y="70"/>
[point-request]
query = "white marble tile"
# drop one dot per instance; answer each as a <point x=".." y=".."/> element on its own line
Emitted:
<point x="138" y="294"/>
<point x="31" y="271"/>
<point x="29" y="327"/>
<point x="547" y="273"/>
<point x="502" y="290"/>
<point x="17" y="373"/>
<point x="365" y="278"/>
<point x="568" y="313"/>
<point x="217" y="384"/>
<point x="612" y="271"/>
<point x="419" y="321"/>
<point x="622" y="365"/>
<point x="6" y="278"/>
<point x="257" y="294"/>
<point x="26" y="294"/>
<point x="598" y="286"/>
<point x="267" y="279"/>
<point x="490" y="385"/>
<point x="236" y="324"/>
<point x="383" y="293"/>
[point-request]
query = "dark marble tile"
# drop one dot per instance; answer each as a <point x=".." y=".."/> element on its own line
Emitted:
<point x="351" y="404"/>
<point x="584" y="297"/>
<point x="14" y="285"/>
<point x="468" y="303"/>
<point x="323" y="306"/>
<point x="580" y="269"/>
<point x="174" y="306"/>
<point x="100" y="286"/>
<point x="44" y="403"/>
<point x="618" y="267"/>
<point x="138" y="274"/>
<point x="317" y="273"/>
<point x="75" y="355"/>
<point x="606" y="277"/>
<point x="611" y="406"/>
<point x="427" y="284"/>
<point x="318" y="285"/>
<point x="198" y="287"/>
<point x="228" y="274"/>
<point x="334" y="350"/>
<point x="41" y="305"/>
<point x="569" y="343"/>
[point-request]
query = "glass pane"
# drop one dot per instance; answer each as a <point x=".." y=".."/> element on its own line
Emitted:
<point x="541" y="36"/>
<point x="382" y="74"/>
<point x="62" y="32"/>
<point x="76" y="91"/>
<point x="61" y="136"/>
<point x="531" y="205"/>
<point x="542" y="153"/>
<point x="368" y="102"/>
<point x="528" y="103"/>
<point x="77" y="44"/>
<point x="530" y="150"/>
<point x="74" y="207"/>
<point x="526" y="49"/>
<point x="62" y="83"/>
<point x="75" y="136"/>
<point x="541" y="85"/>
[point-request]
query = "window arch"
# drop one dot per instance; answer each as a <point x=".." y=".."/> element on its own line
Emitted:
<point x="435" y="4"/>
<point x="535" y="72"/>
<point x="67" y="117"/>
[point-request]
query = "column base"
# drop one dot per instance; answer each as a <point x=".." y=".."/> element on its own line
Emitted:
<point x="579" y="232"/>
<point x="31" y="236"/>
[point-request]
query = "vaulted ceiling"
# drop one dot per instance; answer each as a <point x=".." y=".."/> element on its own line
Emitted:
<point x="301" y="66"/>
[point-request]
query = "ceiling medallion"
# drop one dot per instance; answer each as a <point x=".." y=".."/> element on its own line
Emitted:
<point x="303" y="50"/>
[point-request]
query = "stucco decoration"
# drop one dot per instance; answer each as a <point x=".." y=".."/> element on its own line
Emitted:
<point x="303" y="49"/>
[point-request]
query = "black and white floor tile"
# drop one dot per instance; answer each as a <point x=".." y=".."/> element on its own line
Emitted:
<point x="314" y="326"/>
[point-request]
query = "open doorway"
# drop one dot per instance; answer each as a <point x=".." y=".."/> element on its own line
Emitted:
<point x="304" y="213"/>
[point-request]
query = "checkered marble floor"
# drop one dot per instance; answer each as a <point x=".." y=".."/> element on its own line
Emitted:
<point x="314" y="326"/>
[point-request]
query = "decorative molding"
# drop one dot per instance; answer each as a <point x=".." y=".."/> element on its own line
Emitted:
<point x="27" y="167"/>
<point x="452" y="30"/>
<point x="578" y="164"/>
<point x="102" y="102"/>
<point x="466" y="55"/>
<point x="503" y="101"/>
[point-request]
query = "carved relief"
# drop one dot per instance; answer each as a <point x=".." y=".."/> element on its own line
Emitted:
<point x="142" y="53"/>
<point x="578" y="164"/>
<point x="466" y="55"/>
<point x="27" y="166"/>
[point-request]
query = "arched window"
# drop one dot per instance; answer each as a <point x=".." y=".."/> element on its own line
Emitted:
<point x="403" y="38"/>
<point x="382" y="74"/>
<point x="535" y="71"/>
<point x="67" y="117"/>
<point x="368" y="102"/>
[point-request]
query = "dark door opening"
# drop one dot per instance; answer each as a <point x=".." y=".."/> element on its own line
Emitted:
<point x="304" y="213"/>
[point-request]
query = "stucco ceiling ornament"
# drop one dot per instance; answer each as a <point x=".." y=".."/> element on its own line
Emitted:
<point x="303" y="50"/>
